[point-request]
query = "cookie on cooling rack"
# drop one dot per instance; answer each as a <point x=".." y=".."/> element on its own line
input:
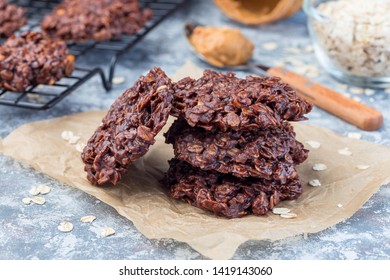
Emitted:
<point x="12" y="18"/>
<point x="129" y="128"/>
<point x="32" y="59"/>
<point x="99" y="20"/>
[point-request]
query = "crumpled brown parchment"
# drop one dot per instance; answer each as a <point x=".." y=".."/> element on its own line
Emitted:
<point x="140" y="198"/>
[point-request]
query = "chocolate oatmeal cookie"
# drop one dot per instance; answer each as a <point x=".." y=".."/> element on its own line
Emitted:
<point x="100" y="20"/>
<point x="33" y="59"/>
<point x="129" y="128"/>
<point x="12" y="18"/>
<point x="226" y="195"/>
<point x="225" y="102"/>
<point x="268" y="153"/>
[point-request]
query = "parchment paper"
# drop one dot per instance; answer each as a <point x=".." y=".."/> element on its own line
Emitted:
<point x="140" y="198"/>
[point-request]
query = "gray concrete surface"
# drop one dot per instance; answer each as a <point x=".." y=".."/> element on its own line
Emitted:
<point x="31" y="232"/>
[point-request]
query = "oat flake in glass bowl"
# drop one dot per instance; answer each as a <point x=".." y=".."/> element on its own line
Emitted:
<point x="352" y="39"/>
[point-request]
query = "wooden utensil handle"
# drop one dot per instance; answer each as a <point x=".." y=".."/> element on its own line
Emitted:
<point x="356" y="113"/>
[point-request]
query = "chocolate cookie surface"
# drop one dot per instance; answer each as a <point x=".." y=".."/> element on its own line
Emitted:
<point x="100" y="20"/>
<point x="269" y="154"/>
<point x="33" y="59"/>
<point x="129" y="128"/>
<point x="224" y="101"/>
<point x="226" y="195"/>
<point x="12" y="18"/>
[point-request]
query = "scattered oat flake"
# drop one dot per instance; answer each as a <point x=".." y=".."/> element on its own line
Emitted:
<point x="293" y="50"/>
<point x="313" y="144"/>
<point x="362" y="166"/>
<point x="339" y="205"/>
<point x="369" y="92"/>
<point x="26" y="200"/>
<point x="345" y="152"/>
<point x="288" y="215"/>
<point x="43" y="189"/>
<point x="279" y="64"/>
<point x="161" y="88"/>
<point x="87" y="219"/>
<point x="270" y="46"/>
<point x="319" y="167"/>
<point x="66" y="135"/>
<point x="309" y="48"/>
<point x="356" y="99"/>
<point x="280" y="210"/>
<point x="118" y="80"/>
<point x="315" y="183"/>
<point x="312" y="74"/>
<point x="354" y="135"/>
<point x="80" y="147"/>
<point x="74" y="139"/>
<point x="387" y="90"/>
<point x="356" y="90"/>
<point x="342" y="86"/>
<point x="34" y="191"/>
<point x="65" y="226"/>
<point x="107" y="232"/>
<point x="305" y="235"/>
<point x="38" y="200"/>
<point x="294" y="61"/>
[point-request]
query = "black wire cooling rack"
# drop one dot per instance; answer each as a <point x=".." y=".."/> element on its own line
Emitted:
<point x="43" y="97"/>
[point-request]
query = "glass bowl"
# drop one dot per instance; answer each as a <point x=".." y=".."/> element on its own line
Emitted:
<point x="351" y="39"/>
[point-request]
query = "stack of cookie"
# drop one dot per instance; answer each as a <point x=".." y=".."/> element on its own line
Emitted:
<point x="235" y="151"/>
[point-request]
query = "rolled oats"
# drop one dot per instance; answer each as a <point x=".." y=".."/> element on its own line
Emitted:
<point x="319" y="167"/>
<point x="118" y="80"/>
<point x="107" y="231"/>
<point x="344" y="152"/>
<point x="357" y="36"/>
<point x="362" y="167"/>
<point x="38" y="200"/>
<point x="354" y="135"/>
<point x="65" y="226"/>
<point x="43" y="189"/>
<point x="313" y="144"/>
<point x="87" y="219"/>
<point x="280" y="210"/>
<point x="26" y="200"/>
<point x="270" y="46"/>
<point x="315" y="183"/>
<point x="288" y="215"/>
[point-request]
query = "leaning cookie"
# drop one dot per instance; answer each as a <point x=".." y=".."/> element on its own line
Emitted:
<point x="12" y="18"/>
<point x="32" y="59"/>
<point x="226" y="195"/>
<point x="129" y="128"/>
<point x="223" y="101"/>
<point x="269" y="154"/>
